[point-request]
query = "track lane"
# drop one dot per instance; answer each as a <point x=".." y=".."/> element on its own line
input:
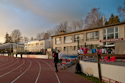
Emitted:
<point x="31" y="74"/>
<point x="66" y="76"/>
<point x="10" y="75"/>
<point x="47" y="74"/>
<point x="3" y="60"/>
<point x="41" y="71"/>
<point x="22" y="73"/>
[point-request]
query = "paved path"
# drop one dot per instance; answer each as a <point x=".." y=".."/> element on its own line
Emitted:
<point x="27" y="70"/>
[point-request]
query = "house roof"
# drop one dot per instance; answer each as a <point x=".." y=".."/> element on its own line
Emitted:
<point x="120" y="23"/>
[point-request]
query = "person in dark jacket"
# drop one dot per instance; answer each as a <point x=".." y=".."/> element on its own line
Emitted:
<point x="16" y="55"/>
<point x="21" y="55"/>
<point x="55" y="55"/>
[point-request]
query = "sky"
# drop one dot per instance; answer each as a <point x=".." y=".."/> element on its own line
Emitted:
<point x="36" y="16"/>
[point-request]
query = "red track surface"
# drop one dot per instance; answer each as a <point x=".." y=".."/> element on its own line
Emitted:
<point x="29" y="70"/>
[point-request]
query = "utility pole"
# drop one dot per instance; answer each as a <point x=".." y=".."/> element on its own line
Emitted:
<point x="77" y="51"/>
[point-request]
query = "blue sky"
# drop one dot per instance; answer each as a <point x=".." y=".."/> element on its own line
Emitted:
<point x="35" y="16"/>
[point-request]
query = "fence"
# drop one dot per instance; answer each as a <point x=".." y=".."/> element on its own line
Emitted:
<point x="102" y="66"/>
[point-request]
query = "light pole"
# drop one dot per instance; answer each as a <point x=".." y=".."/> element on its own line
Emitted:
<point x="77" y="50"/>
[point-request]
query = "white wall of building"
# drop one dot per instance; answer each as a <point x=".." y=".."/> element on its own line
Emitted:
<point x="112" y="72"/>
<point x="37" y="45"/>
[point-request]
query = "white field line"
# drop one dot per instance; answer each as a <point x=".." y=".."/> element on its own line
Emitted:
<point x="39" y="72"/>
<point x="53" y="70"/>
<point x="13" y="69"/>
<point x="9" y="65"/>
<point x="23" y="72"/>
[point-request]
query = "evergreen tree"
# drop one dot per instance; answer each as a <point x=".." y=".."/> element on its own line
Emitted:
<point x="112" y="19"/>
<point x="116" y="19"/>
<point x="106" y="23"/>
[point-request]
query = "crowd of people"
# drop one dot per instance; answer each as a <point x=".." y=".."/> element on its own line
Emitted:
<point x="102" y="50"/>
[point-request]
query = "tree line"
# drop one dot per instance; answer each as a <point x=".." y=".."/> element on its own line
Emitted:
<point x="94" y="18"/>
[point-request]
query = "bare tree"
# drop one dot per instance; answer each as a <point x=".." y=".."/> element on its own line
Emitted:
<point x="31" y="38"/>
<point x="46" y="36"/>
<point x="94" y="19"/>
<point x="61" y="27"/>
<point x="16" y="35"/>
<point x="77" y="25"/>
<point x="25" y="38"/>
<point x="39" y="36"/>
<point x="121" y="11"/>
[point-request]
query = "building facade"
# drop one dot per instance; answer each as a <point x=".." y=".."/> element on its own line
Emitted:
<point x="95" y="37"/>
<point x="38" y="45"/>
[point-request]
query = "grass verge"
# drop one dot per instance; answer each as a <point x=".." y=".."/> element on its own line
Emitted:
<point x="94" y="79"/>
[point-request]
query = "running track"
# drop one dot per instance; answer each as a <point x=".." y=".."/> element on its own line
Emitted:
<point x="29" y="70"/>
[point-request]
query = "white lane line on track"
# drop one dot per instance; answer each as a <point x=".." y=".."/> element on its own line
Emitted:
<point x="23" y="72"/>
<point x="53" y="70"/>
<point x="9" y="65"/>
<point x="13" y="69"/>
<point x="39" y="72"/>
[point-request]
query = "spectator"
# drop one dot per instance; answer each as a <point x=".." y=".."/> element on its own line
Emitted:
<point x="104" y="50"/>
<point x="113" y="51"/>
<point x="85" y="50"/>
<point x="55" y="55"/>
<point x="109" y="50"/>
<point x="81" y="48"/>
<point x="80" y="51"/>
<point x="100" y="51"/>
<point x="93" y="50"/>
<point x="97" y="50"/>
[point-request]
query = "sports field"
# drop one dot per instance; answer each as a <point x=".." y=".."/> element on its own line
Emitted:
<point x="30" y="70"/>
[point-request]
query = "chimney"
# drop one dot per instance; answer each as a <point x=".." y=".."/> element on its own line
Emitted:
<point x="103" y="20"/>
<point x="62" y="32"/>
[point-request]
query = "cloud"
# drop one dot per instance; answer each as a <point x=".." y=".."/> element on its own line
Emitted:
<point x="53" y="11"/>
<point x="34" y="16"/>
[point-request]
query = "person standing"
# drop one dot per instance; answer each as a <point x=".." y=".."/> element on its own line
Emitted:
<point x="21" y="55"/>
<point x="55" y="55"/>
<point x="60" y="55"/>
<point x="93" y="50"/>
<point x="104" y="50"/>
<point x="85" y="50"/>
<point x="80" y="51"/>
<point x="109" y="50"/>
<point x="16" y="55"/>
<point x="81" y="48"/>
<point x="113" y="51"/>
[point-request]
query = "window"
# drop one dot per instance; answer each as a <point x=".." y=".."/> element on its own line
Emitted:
<point x="79" y="37"/>
<point x="68" y="48"/>
<point x="110" y="33"/>
<point x="58" y="40"/>
<point x="58" y="48"/>
<point x="75" y="47"/>
<point x="68" y="39"/>
<point x="92" y="36"/>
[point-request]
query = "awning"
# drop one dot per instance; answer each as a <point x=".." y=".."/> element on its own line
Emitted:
<point x="9" y="45"/>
